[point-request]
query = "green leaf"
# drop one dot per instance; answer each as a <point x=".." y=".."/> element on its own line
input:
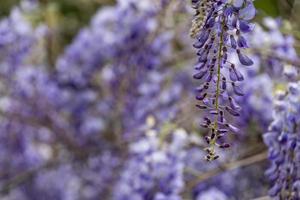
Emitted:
<point x="268" y="7"/>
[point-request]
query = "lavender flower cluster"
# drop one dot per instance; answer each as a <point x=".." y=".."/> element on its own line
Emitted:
<point x="155" y="169"/>
<point x="219" y="28"/>
<point x="275" y="50"/>
<point x="283" y="142"/>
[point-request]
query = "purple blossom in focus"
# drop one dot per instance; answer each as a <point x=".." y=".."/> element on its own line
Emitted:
<point x="219" y="29"/>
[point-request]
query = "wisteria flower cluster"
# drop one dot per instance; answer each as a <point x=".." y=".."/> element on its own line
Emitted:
<point x="155" y="170"/>
<point x="275" y="50"/>
<point x="219" y="28"/>
<point x="283" y="142"/>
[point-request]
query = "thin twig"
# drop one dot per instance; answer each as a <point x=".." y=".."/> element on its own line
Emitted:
<point x="23" y="177"/>
<point x="227" y="167"/>
<point x="263" y="198"/>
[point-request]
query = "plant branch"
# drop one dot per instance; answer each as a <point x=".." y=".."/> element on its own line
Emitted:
<point x="229" y="166"/>
<point x="263" y="198"/>
<point x="23" y="177"/>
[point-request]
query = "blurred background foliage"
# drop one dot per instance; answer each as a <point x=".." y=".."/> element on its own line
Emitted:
<point x="66" y="17"/>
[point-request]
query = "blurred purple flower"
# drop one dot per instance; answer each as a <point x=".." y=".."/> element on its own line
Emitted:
<point x="283" y="143"/>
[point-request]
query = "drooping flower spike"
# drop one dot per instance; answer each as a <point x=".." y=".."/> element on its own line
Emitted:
<point x="283" y="141"/>
<point x="218" y="28"/>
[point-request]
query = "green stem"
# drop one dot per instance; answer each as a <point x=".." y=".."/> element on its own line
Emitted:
<point x="213" y="142"/>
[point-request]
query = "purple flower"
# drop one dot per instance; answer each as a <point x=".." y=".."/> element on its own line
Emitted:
<point x="212" y="193"/>
<point x="275" y="50"/>
<point x="245" y="60"/>
<point x="154" y="169"/>
<point x="248" y="12"/>
<point x="215" y="30"/>
<point x="284" y="146"/>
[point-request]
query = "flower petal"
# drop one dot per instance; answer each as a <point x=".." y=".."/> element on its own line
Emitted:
<point x="245" y="60"/>
<point x="200" y="74"/>
<point x="233" y="42"/>
<point x="233" y="104"/>
<point x="248" y="12"/>
<point x="237" y="90"/>
<point x="238" y="3"/>
<point x="245" y="26"/>
<point x="242" y="42"/>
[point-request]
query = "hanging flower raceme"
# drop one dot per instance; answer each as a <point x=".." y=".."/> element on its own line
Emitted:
<point x="283" y="141"/>
<point x="218" y="27"/>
